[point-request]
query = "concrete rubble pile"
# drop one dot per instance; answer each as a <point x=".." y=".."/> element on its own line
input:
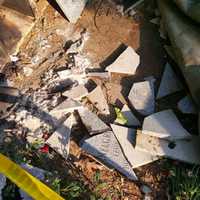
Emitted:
<point x="47" y="115"/>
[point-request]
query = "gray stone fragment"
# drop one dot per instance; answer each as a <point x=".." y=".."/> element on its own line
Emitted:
<point x="126" y="139"/>
<point x="72" y="8"/>
<point x="76" y="93"/>
<point x="182" y="150"/>
<point x="126" y="63"/>
<point x="2" y="184"/>
<point x="145" y="189"/>
<point x="186" y="106"/>
<point x="97" y="98"/>
<point x="106" y="147"/>
<point x="36" y="172"/>
<point x="164" y="124"/>
<point x="169" y="83"/>
<point x="92" y="122"/>
<point x="132" y="120"/>
<point x="59" y="140"/>
<point x="103" y="75"/>
<point x="142" y="97"/>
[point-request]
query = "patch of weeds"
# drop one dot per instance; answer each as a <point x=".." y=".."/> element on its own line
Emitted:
<point x="184" y="182"/>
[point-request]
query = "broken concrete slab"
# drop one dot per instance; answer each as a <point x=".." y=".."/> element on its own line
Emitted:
<point x="92" y="122"/>
<point x="106" y="148"/>
<point x="169" y="83"/>
<point x="182" y="150"/>
<point x="187" y="106"/>
<point x="142" y="98"/>
<point x="72" y="8"/>
<point x="126" y="139"/>
<point x="76" y="93"/>
<point x="96" y="97"/>
<point x="2" y="184"/>
<point x="59" y="140"/>
<point x="131" y="119"/>
<point x="164" y="124"/>
<point x="36" y="172"/>
<point x="102" y="75"/>
<point x="126" y="63"/>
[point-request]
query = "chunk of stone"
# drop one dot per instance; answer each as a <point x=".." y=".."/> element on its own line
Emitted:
<point x="36" y="172"/>
<point x="169" y="83"/>
<point x="92" y="122"/>
<point x="182" y="150"/>
<point x="186" y="106"/>
<point x="2" y="184"/>
<point x="96" y="97"/>
<point x="72" y="8"/>
<point x="142" y="97"/>
<point x="103" y="75"/>
<point x="164" y="124"/>
<point x="76" y="93"/>
<point x="59" y="140"/>
<point x="126" y="63"/>
<point x="132" y="120"/>
<point x="106" y="148"/>
<point x="126" y="139"/>
<point x="145" y="189"/>
<point x="64" y="73"/>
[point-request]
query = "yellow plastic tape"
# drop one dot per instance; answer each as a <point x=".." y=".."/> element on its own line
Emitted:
<point x="31" y="185"/>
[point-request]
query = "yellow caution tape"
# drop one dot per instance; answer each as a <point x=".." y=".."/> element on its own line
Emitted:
<point x="28" y="183"/>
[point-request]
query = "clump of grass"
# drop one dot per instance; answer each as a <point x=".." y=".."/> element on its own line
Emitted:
<point x="184" y="183"/>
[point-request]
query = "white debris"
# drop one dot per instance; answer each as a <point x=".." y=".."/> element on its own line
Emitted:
<point x="2" y="184"/>
<point x="132" y="120"/>
<point x="135" y="5"/>
<point x="126" y="139"/>
<point x="106" y="147"/>
<point x="28" y="71"/>
<point x="126" y="63"/>
<point x="14" y="58"/>
<point x="104" y="75"/>
<point x="169" y="83"/>
<point x="92" y="122"/>
<point x="182" y="150"/>
<point x="187" y="106"/>
<point x="36" y="172"/>
<point x="164" y="124"/>
<point x="60" y="139"/>
<point x="64" y="74"/>
<point x="96" y="97"/>
<point x="72" y="8"/>
<point x="76" y="93"/>
<point x="142" y="97"/>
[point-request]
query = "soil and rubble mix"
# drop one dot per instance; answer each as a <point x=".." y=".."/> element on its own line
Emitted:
<point x="66" y="90"/>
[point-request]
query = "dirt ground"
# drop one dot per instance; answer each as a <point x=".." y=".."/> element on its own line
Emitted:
<point x="108" y="34"/>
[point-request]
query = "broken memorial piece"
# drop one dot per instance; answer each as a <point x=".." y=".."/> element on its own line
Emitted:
<point x="126" y="138"/>
<point x="106" y="148"/>
<point x="72" y="8"/>
<point x="60" y="139"/>
<point x="141" y="97"/>
<point x="92" y="122"/>
<point x="164" y="124"/>
<point x="182" y="150"/>
<point x="96" y="97"/>
<point x="126" y="63"/>
<point x="169" y="83"/>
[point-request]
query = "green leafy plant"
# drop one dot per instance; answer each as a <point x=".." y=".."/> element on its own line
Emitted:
<point x="121" y="119"/>
<point x="184" y="183"/>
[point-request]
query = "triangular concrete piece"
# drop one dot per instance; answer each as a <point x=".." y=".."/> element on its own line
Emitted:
<point x="72" y="8"/>
<point x="132" y="120"/>
<point x="92" y="122"/>
<point x="76" y="93"/>
<point x="141" y="97"/>
<point x="164" y="124"/>
<point x="126" y="138"/>
<point x="59" y="140"/>
<point x="126" y="63"/>
<point x="2" y="184"/>
<point x="182" y="150"/>
<point x="169" y="83"/>
<point x="187" y="106"/>
<point x="106" y="147"/>
<point x="97" y="98"/>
